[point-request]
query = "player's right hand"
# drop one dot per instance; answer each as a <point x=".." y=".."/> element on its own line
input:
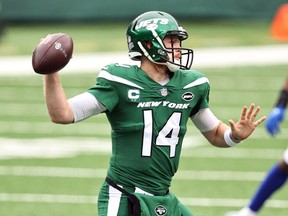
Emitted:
<point x="274" y="119"/>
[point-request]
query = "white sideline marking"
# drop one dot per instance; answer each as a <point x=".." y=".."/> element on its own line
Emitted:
<point x="206" y="57"/>
<point x="209" y="175"/>
<point x="82" y="199"/>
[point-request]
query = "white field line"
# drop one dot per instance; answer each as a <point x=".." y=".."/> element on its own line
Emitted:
<point x="52" y="172"/>
<point x="48" y="128"/>
<point x="208" y="175"/>
<point x="98" y="129"/>
<point x="65" y="147"/>
<point x="83" y="199"/>
<point x="52" y="148"/>
<point x="236" y="153"/>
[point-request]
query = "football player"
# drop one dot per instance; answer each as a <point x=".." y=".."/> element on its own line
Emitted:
<point x="278" y="174"/>
<point x="148" y="107"/>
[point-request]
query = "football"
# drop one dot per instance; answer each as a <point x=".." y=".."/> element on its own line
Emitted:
<point x="52" y="53"/>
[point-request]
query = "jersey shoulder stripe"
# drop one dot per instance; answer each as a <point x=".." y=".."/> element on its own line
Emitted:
<point x="105" y="74"/>
<point x="191" y="78"/>
<point x="197" y="82"/>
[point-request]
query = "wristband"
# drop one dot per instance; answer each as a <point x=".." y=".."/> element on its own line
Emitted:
<point x="229" y="141"/>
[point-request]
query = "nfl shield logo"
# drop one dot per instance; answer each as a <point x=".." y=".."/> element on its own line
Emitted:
<point x="164" y="92"/>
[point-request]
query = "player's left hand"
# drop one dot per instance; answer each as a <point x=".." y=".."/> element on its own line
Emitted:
<point x="246" y="124"/>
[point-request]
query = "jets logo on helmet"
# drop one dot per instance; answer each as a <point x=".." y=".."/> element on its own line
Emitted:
<point x="153" y="27"/>
<point x="146" y="23"/>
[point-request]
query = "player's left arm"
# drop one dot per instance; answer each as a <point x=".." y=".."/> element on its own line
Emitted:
<point x="224" y="136"/>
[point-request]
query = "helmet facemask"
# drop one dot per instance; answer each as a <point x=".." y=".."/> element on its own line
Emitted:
<point x="186" y="55"/>
<point x="160" y="54"/>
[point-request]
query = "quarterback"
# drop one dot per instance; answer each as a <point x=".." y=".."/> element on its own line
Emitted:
<point x="148" y="107"/>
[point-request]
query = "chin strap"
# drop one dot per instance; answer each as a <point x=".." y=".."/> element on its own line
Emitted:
<point x="172" y="67"/>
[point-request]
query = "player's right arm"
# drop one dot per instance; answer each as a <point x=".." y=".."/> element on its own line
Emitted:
<point x="75" y="109"/>
<point x="58" y="107"/>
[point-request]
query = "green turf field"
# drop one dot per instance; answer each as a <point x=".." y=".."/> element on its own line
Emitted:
<point x="48" y="169"/>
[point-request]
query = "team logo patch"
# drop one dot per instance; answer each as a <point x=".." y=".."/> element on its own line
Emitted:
<point x="188" y="96"/>
<point x="161" y="210"/>
<point x="164" y="92"/>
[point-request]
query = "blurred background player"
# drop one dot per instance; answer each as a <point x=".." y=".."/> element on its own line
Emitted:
<point x="278" y="174"/>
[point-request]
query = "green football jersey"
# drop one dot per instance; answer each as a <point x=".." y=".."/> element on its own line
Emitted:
<point x="148" y="122"/>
